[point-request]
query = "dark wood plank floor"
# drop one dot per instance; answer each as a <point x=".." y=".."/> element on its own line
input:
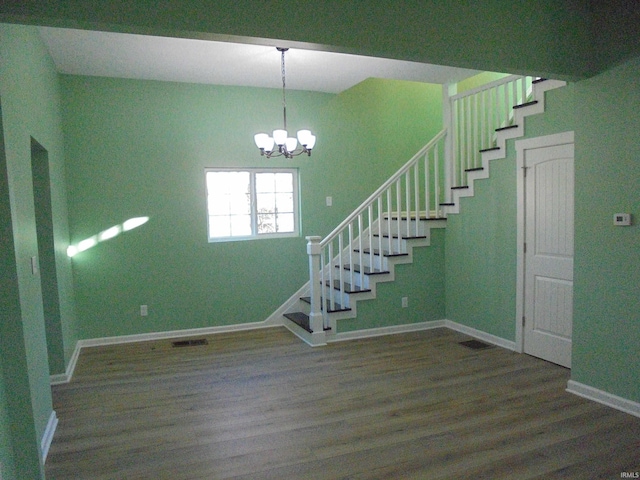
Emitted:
<point x="263" y="405"/>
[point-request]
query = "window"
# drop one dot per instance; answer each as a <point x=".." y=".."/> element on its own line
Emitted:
<point x="252" y="203"/>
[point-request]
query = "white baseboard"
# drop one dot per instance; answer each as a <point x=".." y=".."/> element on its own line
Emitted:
<point x="47" y="436"/>
<point x="145" y="337"/>
<point x="377" y="332"/>
<point x="605" y="398"/>
<point x="480" y="335"/>
<point x="59" y="378"/>
<point x="66" y="377"/>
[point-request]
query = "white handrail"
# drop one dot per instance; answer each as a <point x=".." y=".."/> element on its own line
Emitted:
<point x="382" y="188"/>
<point x="486" y="86"/>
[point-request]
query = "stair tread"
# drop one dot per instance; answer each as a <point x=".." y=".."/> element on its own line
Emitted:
<point x="490" y="149"/>
<point x="337" y="306"/>
<point x="451" y="204"/>
<point x="367" y="270"/>
<point x="385" y="253"/>
<point x="539" y="80"/>
<point x="526" y="104"/>
<point x="404" y="237"/>
<point x="461" y="187"/>
<point x="302" y="320"/>
<point x="404" y="217"/>
<point x="508" y="127"/>
<point x="476" y="169"/>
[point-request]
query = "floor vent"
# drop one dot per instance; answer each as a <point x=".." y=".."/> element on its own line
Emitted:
<point x="190" y="343"/>
<point x="475" y="344"/>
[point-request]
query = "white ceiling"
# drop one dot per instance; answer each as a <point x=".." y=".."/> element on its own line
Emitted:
<point x="83" y="52"/>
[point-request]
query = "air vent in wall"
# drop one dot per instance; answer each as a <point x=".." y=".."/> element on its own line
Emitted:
<point x="190" y="343"/>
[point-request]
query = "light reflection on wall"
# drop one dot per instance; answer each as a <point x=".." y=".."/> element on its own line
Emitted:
<point x="107" y="234"/>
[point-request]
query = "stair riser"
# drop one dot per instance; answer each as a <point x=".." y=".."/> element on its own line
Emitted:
<point x="356" y="279"/>
<point x="397" y="245"/>
<point x="392" y="227"/>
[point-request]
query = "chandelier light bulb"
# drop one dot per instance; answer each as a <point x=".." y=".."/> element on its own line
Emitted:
<point x="291" y="144"/>
<point x="264" y="142"/>
<point x="280" y="137"/>
<point x="306" y="139"/>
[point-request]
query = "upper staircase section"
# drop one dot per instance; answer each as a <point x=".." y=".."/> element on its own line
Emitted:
<point x="483" y="137"/>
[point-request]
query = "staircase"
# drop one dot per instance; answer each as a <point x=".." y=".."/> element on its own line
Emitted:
<point x="346" y="266"/>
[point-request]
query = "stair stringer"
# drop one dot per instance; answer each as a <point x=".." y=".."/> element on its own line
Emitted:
<point x="519" y="117"/>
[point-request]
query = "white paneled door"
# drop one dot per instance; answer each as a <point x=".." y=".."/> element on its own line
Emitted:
<point x="548" y="257"/>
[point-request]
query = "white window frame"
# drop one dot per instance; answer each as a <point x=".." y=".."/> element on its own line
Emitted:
<point x="254" y="214"/>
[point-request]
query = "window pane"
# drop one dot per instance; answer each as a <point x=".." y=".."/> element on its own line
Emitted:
<point x="219" y="227"/>
<point x="240" y="225"/>
<point x="285" y="222"/>
<point x="284" y="202"/>
<point x="266" y="223"/>
<point x="265" y="182"/>
<point x="218" y="204"/>
<point x="240" y="204"/>
<point x="284" y="182"/>
<point x="227" y="182"/>
<point x="266" y="202"/>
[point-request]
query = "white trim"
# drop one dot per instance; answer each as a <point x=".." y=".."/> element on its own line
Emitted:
<point x="318" y="339"/>
<point x="605" y="398"/>
<point x="144" y="337"/>
<point x="479" y="334"/>
<point x="58" y="379"/>
<point x="47" y="436"/>
<point x="392" y="330"/>
<point x="61" y="378"/>
<point x="521" y="146"/>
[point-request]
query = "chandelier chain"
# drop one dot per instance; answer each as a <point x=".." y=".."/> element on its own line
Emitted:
<point x="284" y="98"/>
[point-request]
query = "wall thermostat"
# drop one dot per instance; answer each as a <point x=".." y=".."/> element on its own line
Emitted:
<point x="622" y="219"/>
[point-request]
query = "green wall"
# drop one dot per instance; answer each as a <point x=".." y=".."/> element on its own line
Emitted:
<point x="139" y="148"/>
<point x="607" y="258"/>
<point x="480" y="260"/>
<point x="546" y="37"/>
<point x="29" y="102"/>
<point x="481" y="243"/>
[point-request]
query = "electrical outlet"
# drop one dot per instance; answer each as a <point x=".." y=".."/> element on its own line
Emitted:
<point x="329" y="201"/>
<point x="144" y="310"/>
<point x="405" y="302"/>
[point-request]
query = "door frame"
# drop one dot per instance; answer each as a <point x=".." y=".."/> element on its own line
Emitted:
<point x="521" y="147"/>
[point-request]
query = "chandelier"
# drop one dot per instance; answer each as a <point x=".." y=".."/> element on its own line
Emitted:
<point x="280" y="143"/>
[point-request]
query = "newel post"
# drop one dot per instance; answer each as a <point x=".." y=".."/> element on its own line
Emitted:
<point x="315" y="250"/>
